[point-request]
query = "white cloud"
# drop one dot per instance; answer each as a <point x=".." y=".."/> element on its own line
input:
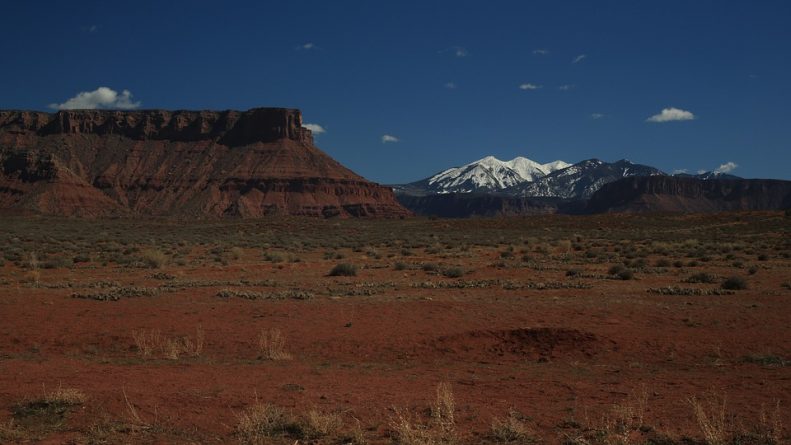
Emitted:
<point x="529" y="86"/>
<point x="458" y="51"/>
<point x="671" y="114"/>
<point x="389" y="138"/>
<point x="450" y="85"/>
<point x="678" y="171"/>
<point x="314" y="128"/>
<point x="579" y="58"/>
<point x="307" y="46"/>
<point x="726" y="167"/>
<point x="541" y="52"/>
<point x="566" y="87"/>
<point x="597" y="116"/>
<point x="101" y="97"/>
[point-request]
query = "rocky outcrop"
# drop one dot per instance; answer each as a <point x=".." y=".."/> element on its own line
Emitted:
<point x="186" y="163"/>
<point x="680" y="194"/>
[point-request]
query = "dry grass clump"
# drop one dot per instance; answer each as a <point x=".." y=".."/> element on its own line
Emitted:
<point x="9" y="432"/>
<point x="149" y="342"/>
<point x="444" y="410"/>
<point x="39" y="417"/>
<point x="512" y="428"/>
<point x="711" y="418"/>
<point x="263" y="422"/>
<point x="260" y="422"/>
<point x="317" y="424"/>
<point x="66" y="396"/>
<point x="272" y="345"/>
<point x="440" y="430"/>
<point x="153" y="258"/>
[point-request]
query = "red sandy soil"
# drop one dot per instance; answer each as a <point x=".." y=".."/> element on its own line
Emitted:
<point x="553" y="355"/>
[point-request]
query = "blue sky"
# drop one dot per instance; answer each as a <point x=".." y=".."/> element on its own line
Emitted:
<point x="451" y="81"/>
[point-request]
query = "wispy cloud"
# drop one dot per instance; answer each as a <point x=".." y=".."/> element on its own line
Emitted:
<point x="450" y="85"/>
<point x="90" y="28"/>
<point x="671" y="114"/>
<point x="529" y="86"/>
<point x="726" y="167"/>
<point x="566" y="87"/>
<point x="458" y="51"/>
<point x="389" y="138"/>
<point x="579" y="58"/>
<point x="101" y="97"/>
<point x="541" y="52"/>
<point x="308" y="46"/>
<point x="597" y="116"/>
<point x="315" y="128"/>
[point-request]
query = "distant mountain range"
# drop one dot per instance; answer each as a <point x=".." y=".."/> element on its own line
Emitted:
<point x="485" y="175"/>
<point x="489" y="187"/>
<point x="522" y="177"/>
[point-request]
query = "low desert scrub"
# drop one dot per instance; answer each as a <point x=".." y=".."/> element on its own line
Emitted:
<point x="294" y="294"/>
<point x="66" y="396"/>
<point x="260" y="422"/>
<point x="115" y="294"/>
<point x="771" y="425"/>
<point x="272" y="345"/>
<point x="766" y="360"/>
<point x="443" y="413"/>
<point x="441" y="429"/>
<point x="734" y="283"/>
<point x="453" y="272"/>
<point x="263" y="422"/>
<point x="153" y="258"/>
<point x="43" y="415"/>
<point x="620" y="272"/>
<point x="9" y="432"/>
<point x="317" y="424"/>
<point x="711" y="418"/>
<point x="512" y="428"/>
<point x="150" y="342"/>
<point x="343" y="270"/>
<point x="675" y="290"/>
<point x="701" y="277"/>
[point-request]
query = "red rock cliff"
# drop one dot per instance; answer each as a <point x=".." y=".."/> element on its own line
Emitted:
<point x="197" y="163"/>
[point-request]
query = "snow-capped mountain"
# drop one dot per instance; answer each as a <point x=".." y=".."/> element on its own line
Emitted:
<point x="581" y="180"/>
<point x="486" y="175"/>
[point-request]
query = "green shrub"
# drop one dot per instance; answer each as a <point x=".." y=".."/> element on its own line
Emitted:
<point x="701" y="277"/>
<point x="273" y="257"/>
<point x="616" y="269"/>
<point x="734" y="283"/>
<point x="429" y="267"/>
<point x="344" y="270"/>
<point x="625" y="274"/>
<point x="453" y="272"/>
<point x="400" y="266"/>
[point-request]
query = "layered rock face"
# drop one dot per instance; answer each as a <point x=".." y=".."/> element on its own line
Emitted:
<point x="679" y="194"/>
<point x="177" y="163"/>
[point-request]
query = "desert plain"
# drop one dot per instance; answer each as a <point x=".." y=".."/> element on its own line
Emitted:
<point x="605" y="329"/>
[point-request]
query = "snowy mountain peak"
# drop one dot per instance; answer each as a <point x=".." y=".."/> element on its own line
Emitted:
<point x="488" y="174"/>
